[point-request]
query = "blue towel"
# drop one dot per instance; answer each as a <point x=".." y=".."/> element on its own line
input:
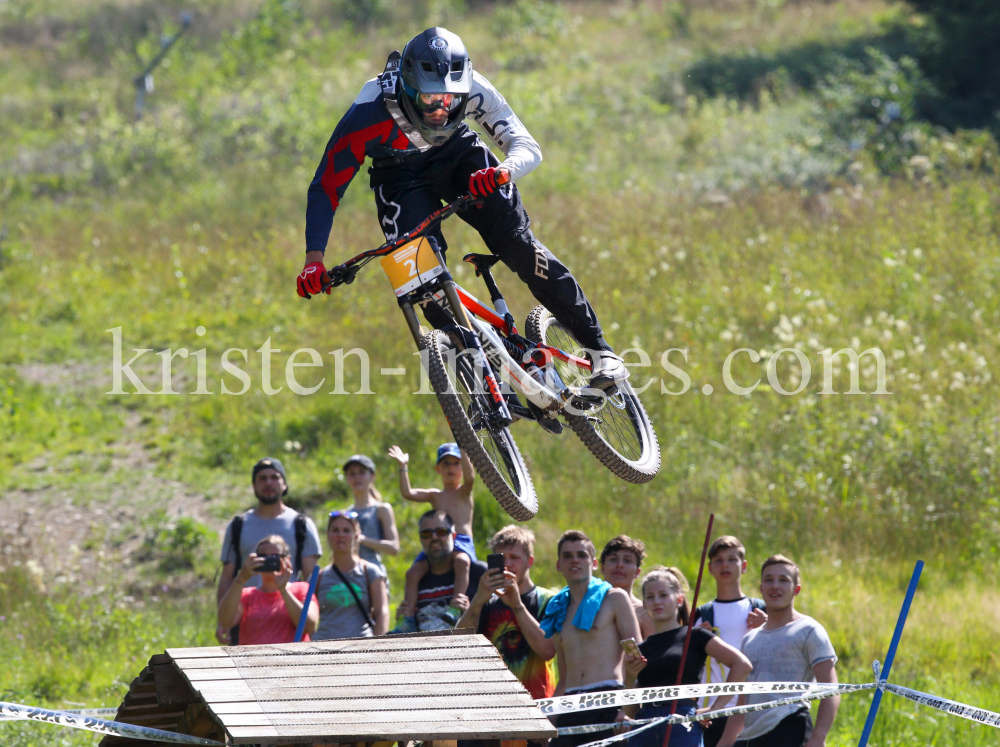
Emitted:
<point x="555" y="610"/>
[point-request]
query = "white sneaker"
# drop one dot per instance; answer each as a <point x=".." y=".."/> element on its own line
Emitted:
<point x="609" y="371"/>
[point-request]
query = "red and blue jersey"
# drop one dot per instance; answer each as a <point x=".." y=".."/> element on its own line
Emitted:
<point x="368" y="130"/>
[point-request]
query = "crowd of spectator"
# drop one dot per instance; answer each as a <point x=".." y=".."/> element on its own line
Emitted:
<point x="593" y="635"/>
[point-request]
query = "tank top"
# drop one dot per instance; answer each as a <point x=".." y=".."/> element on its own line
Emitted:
<point x="370" y="527"/>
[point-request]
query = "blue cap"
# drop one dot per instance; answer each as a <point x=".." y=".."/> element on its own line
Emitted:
<point x="448" y="449"/>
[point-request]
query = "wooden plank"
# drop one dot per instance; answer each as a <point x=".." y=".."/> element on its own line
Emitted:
<point x="348" y="670"/>
<point x="438" y="716"/>
<point x="371" y="685"/>
<point x="228" y="691"/>
<point x="441" y="639"/>
<point x="493" y="729"/>
<point x="375" y="686"/>
<point x="196" y="653"/>
<point x="339" y="657"/>
<point x="355" y="705"/>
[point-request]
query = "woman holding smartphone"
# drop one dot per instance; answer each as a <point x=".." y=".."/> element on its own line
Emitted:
<point x="271" y="613"/>
<point x="352" y="592"/>
<point x="659" y="659"/>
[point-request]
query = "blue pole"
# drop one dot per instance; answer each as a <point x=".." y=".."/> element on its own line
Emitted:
<point x="897" y="634"/>
<point x="305" y="607"/>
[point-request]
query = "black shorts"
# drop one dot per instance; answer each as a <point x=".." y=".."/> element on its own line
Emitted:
<point x="585" y="718"/>
<point x="407" y="193"/>
<point x="791" y="731"/>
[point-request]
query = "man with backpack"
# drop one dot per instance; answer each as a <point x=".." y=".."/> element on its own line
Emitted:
<point x="270" y="516"/>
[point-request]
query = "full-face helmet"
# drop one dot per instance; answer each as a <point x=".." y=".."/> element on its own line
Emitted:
<point x="435" y="80"/>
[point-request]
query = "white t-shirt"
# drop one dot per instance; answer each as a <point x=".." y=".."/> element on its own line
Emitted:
<point x="729" y="618"/>
<point x="787" y="654"/>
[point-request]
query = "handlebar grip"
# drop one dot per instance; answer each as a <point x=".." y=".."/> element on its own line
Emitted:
<point x="503" y="177"/>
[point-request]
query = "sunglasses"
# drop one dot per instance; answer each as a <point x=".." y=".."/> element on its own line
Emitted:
<point x="350" y="515"/>
<point x="426" y="534"/>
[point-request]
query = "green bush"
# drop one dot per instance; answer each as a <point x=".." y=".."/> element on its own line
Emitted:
<point x="959" y="52"/>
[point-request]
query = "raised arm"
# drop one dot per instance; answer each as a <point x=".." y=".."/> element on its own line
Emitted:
<point x="468" y="477"/>
<point x="418" y="496"/>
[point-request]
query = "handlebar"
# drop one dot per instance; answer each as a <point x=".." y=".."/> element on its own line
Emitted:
<point x="344" y="274"/>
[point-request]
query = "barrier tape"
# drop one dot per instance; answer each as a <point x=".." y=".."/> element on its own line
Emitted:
<point x="979" y="715"/>
<point x="100" y="725"/>
<point x="75" y="711"/>
<point x="613" y="698"/>
<point x="828" y="692"/>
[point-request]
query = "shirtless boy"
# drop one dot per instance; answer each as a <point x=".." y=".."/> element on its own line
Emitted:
<point x="587" y="620"/>
<point x="621" y="564"/>
<point x="455" y="499"/>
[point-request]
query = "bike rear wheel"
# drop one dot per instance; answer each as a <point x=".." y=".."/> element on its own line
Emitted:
<point x="619" y="434"/>
<point x="492" y="451"/>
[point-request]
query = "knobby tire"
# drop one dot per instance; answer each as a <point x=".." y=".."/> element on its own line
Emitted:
<point x="620" y="435"/>
<point x="503" y="471"/>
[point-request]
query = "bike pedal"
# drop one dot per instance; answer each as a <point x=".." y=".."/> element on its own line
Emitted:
<point x="548" y="424"/>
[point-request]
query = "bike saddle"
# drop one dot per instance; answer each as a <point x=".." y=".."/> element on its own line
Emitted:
<point x="481" y="261"/>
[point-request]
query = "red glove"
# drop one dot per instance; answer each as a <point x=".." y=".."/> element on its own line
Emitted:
<point x="311" y="279"/>
<point x="486" y="180"/>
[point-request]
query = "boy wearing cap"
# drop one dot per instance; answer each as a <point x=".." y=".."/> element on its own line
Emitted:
<point x="455" y="499"/>
<point x="270" y="516"/>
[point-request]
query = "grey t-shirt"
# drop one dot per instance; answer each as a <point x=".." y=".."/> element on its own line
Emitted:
<point x="787" y="654"/>
<point x="339" y="616"/>
<point x="255" y="529"/>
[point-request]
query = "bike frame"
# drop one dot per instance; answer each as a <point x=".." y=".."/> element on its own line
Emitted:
<point x="494" y="327"/>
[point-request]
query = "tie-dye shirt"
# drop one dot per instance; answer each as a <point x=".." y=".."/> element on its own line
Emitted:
<point x="497" y="622"/>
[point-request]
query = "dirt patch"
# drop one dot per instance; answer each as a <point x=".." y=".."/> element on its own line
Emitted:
<point x="95" y="536"/>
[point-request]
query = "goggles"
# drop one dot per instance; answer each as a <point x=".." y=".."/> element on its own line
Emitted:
<point x="431" y="102"/>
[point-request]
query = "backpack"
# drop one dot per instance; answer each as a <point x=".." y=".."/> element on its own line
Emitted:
<point x="300" y="540"/>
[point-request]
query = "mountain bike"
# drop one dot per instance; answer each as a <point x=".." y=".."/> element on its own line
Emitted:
<point x="479" y="367"/>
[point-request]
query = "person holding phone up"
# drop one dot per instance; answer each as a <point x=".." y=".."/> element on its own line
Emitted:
<point x="657" y="660"/>
<point x="506" y="608"/>
<point x="271" y="613"/>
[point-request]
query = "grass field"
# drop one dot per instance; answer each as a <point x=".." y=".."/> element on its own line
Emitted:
<point x="699" y="216"/>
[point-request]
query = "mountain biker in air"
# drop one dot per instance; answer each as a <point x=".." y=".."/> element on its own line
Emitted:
<point x="411" y="122"/>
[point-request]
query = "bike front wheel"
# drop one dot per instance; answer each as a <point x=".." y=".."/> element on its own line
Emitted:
<point x="492" y="451"/>
<point x="618" y="433"/>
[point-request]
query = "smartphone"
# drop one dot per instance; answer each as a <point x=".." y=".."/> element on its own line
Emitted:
<point x="631" y="647"/>
<point x="494" y="562"/>
<point x="272" y="564"/>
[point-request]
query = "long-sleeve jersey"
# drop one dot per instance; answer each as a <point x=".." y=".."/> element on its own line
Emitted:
<point x="368" y="130"/>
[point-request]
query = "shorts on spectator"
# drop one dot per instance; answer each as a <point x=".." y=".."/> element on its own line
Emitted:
<point x="681" y="735"/>
<point x="714" y="732"/>
<point x="792" y="731"/>
<point x="586" y="718"/>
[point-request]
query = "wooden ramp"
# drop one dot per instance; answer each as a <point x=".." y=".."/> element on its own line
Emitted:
<point x="440" y="687"/>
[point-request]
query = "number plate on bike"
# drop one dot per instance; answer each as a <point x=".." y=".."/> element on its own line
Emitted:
<point x="410" y="266"/>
